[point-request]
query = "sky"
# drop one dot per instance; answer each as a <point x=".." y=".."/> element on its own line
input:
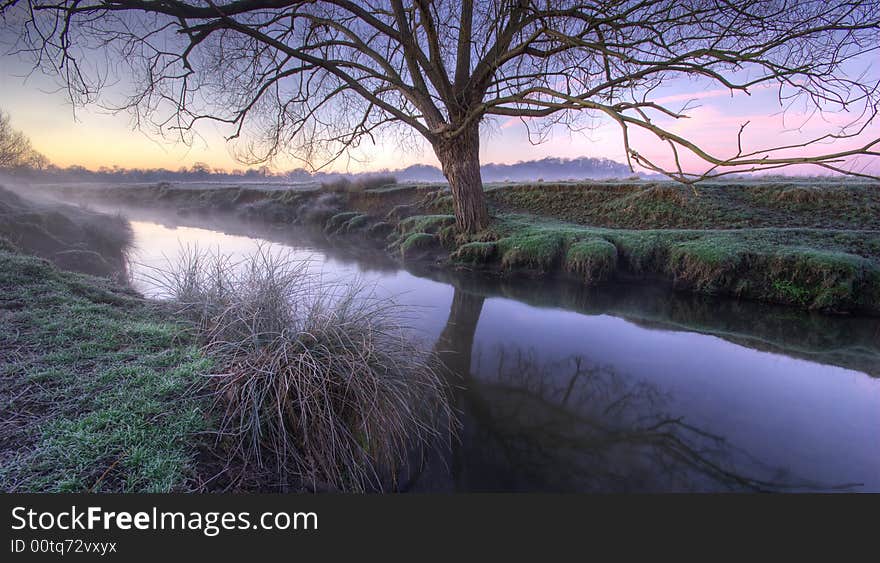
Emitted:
<point x="94" y="137"/>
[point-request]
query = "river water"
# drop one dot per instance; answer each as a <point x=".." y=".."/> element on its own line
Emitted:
<point x="623" y="388"/>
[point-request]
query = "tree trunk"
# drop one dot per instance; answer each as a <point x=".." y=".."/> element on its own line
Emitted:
<point x="460" y="158"/>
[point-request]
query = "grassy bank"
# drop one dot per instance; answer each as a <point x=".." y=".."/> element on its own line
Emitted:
<point x="95" y="385"/>
<point x="811" y="245"/>
<point x="312" y="386"/>
<point x="810" y="268"/>
<point x="103" y="390"/>
<point x="814" y="247"/>
<point x="829" y="205"/>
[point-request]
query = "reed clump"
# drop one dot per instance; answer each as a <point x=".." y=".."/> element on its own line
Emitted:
<point x="316" y="380"/>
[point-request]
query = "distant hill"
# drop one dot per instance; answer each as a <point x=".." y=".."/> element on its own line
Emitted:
<point x="552" y="169"/>
<point x="548" y="169"/>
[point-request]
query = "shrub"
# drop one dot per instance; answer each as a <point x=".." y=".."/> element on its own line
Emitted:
<point x="317" y="380"/>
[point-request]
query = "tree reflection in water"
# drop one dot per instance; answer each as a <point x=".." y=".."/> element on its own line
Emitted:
<point x="570" y="425"/>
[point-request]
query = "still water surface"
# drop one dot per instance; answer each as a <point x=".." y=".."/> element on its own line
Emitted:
<point x="627" y="388"/>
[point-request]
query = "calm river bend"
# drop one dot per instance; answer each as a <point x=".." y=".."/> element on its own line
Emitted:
<point x="624" y="388"/>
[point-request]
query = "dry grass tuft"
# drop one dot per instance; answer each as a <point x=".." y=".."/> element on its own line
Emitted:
<point x="316" y="380"/>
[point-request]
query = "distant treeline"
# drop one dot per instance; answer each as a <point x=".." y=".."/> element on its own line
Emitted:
<point x="549" y="169"/>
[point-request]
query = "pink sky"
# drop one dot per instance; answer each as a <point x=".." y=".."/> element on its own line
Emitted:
<point x="97" y="138"/>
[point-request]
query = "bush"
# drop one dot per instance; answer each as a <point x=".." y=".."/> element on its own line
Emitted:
<point x="320" y="381"/>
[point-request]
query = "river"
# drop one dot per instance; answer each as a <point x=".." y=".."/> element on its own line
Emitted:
<point x="621" y="388"/>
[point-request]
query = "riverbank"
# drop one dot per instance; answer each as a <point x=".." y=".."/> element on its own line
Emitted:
<point x="96" y="386"/>
<point x="810" y="245"/>
<point x="74" y="238"/>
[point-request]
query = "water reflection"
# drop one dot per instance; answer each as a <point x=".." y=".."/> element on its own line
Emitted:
<point x="571" y="425"/>
<point x="849" y="342"/>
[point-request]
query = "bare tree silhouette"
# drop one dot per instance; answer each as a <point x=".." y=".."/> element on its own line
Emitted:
<point x="316" y="77"/>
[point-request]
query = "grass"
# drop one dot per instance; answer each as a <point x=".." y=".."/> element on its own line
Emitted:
<point x="595" y="260"/>
<point x="812" y="268"/>
<point x="425" y="223"/>
<point x="827" y="205"/>
<point x="475" y="253"/>
<point x="336" y="222"/>
<point x="357" y="223"/>
<point x="532" y="250"/>
<point x="314" y="381"/>
<point x="104" y="391"/>
<point x="380" y="230"/>
<point x="792" y="292"/>
<point x="95" y="386"/>
<point x="416" y="245"/>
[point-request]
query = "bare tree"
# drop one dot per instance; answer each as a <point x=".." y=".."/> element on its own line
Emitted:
<point x="15" y="148"/>
<point x="314" y="78"/>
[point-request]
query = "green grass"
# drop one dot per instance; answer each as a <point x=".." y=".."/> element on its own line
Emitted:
<point x="336" y="222"/>
<point x="812" y="244"/>
<point x="475" y="253"/>
<point x="595" y="260"/>
<point x="95" y="386"/>
<point x="792" y="292"/>
<point x="416" y="244"/>
<point x="828" y="205"/>
<point x="532" y="250"/>
<point x="380" y="230"/>
<point x="812" y="268"/>
<point x="425" y="223"/>
<point x="356" y="223"/>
